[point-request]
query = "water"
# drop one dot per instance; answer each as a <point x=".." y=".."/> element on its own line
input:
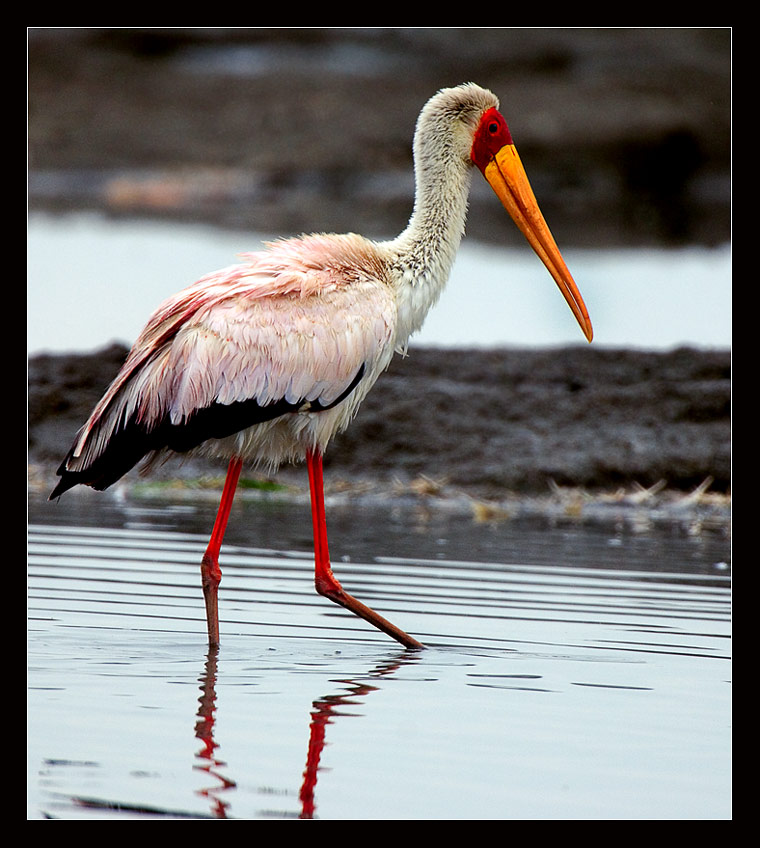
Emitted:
<point x="106" y="277"/>
<point x="573" y="670"/>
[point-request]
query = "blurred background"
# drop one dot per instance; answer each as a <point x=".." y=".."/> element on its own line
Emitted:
<point x="626" y="132"/>
<point x="245" y="133"/>
<point x="158" y="154"/>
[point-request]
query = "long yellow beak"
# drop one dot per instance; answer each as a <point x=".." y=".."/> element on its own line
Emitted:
<point x="507" y="177"/>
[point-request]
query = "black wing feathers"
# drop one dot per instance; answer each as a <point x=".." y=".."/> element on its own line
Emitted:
<point x="132" y="441"/>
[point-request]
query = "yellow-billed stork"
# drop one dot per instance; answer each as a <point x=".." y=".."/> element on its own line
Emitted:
<point x="264" y="361"/>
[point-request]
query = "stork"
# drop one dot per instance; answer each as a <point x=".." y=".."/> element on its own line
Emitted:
<point x="264" y="361"/>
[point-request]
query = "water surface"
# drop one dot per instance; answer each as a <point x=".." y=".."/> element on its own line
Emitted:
<point x="107" y="276"/>
<point x="572" y="670"/>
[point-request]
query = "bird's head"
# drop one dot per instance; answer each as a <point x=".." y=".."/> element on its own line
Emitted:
<point x="495" y="154"/>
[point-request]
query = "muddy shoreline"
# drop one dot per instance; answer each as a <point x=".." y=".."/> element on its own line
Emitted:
<point x="491" y="425"/>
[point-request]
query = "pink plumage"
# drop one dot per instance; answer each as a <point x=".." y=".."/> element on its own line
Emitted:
<point x="291" y="325"/>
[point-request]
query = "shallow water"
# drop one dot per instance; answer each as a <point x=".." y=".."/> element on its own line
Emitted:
<point x="107" y="276"/>
<point x="572" y="669"/>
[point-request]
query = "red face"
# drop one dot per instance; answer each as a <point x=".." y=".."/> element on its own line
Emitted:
<point x="491" y="135"/>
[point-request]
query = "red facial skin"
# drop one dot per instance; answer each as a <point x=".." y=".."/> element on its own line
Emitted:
<point x="491" y="135"/>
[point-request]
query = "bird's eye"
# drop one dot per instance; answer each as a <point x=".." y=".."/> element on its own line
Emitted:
<point x="493" y="127"/>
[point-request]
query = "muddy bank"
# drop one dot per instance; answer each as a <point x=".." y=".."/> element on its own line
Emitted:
<point x="485" y="422"/>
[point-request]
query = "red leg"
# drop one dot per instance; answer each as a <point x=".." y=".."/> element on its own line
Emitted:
<point x="324" y="579"/>
<point x="211" y="574"/>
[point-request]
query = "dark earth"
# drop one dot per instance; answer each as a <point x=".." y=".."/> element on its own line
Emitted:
<point x="487" y="422"/>
<point x="627" y="133"/>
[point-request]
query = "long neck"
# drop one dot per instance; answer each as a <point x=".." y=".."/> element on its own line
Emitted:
<point x="425" y="250"/>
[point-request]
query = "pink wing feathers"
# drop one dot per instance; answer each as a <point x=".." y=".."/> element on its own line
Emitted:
<point x="291" y="325"/>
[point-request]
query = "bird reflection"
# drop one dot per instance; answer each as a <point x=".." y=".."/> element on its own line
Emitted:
<point x="324" y="712"/>
<point x="204" y="730"/>
<point x="326" y="709"/>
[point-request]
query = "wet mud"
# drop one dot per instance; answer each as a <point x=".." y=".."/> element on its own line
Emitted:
<point x="487" y="422"/>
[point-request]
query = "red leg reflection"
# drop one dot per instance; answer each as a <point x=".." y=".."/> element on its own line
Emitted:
<point x="204" y="730"/>
<point x="324" y="579"/>
<point x="319" y="719"/>
<point x="325" y="710"/>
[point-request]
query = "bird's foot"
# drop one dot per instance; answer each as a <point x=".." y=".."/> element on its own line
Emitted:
<point x="330" y="588"/>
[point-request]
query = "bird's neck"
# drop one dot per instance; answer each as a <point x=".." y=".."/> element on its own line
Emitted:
<point x="424" y="253"/>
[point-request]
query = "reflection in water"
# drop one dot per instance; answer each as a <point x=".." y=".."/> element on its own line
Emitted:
<point x="204" y="730"/>
<point x="643" y="616"/>
<point x="325" y="710"/>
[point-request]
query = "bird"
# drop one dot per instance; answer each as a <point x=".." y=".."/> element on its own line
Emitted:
<point x="265" y="361"/>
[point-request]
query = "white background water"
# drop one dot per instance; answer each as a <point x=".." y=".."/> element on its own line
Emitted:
<point x="92" y="281"/>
